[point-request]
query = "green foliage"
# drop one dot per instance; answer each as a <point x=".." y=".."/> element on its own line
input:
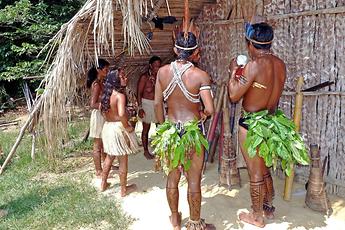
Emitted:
<point x="173" y="148"/>
<point x="38" y="199"/>
<point x="26" y="26"/>
<point x="276" y="139"/>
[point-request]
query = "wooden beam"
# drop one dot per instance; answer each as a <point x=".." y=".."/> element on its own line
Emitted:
<point x="334" y="10"/>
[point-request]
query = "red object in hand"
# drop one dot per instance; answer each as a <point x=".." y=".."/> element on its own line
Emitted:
<point x="239" y="72"/>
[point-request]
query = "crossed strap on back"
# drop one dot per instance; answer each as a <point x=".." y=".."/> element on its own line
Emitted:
<point x="177" y="81"/>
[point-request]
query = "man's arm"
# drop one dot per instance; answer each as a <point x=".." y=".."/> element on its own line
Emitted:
<point x="140" y="92"/>
<point x="206" y="95"/>
<point x="95" y="92"/>
<point x="238" y="88"/>
<point x="141" y="88"/>
<point x="159" y="107"/>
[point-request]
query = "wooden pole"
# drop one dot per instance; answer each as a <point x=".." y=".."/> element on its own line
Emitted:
<point x="297" y="120"/>
<point x="210" y="135"/>
<point x="21" y="133"/>
<point x="33" y="145"/>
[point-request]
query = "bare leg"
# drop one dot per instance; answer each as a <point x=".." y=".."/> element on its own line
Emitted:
<point x="194" y="194"/>
<point x="103" y="154"/>
<point x="125" y="189"/>
<point x="269" y="195"/>
<point x="97" y="150"/>
<point x="173" y="197"/>
<point x="145" y="140"/>
<point x="106" y="169"/>
<point x="256" y="167"/>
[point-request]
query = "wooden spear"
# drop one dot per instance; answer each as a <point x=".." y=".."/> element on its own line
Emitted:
<point x="21" y="133"/>
<point x="297" y="120"/>
<point x="213" y="125"/>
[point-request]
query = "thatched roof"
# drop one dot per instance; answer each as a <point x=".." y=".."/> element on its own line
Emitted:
<point x="115" y="30"/>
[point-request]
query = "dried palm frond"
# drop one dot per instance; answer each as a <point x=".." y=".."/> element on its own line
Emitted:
<point x="68" y="65"/>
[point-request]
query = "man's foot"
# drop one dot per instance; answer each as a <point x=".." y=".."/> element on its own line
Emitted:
<point x="199" y="225"/>
<point x="128" y="189"/>
<point x="176" y="221"/>
<point x="253" y="219"/>
<point x="269" y="211"/>
<point x="148" y="155"/>
<point x="104" y="186"/>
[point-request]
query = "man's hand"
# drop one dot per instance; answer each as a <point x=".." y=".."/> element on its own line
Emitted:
<point x="203" y="116"/>
<point x="233" y="65"/>
<point x="141" y="113"/>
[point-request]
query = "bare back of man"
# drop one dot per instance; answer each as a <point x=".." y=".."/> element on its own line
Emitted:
<point x="180" y="108"/>
<point x="267" y="71"/>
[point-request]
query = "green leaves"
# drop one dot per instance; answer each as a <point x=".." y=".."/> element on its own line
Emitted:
<point x="174" y="148"/>
<point x="275" y="138"/>
<point x="26" y="26"/>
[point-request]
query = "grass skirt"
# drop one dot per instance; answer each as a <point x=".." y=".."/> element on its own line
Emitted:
<point x="117" y="141"/>
<point x="96" y="124"/>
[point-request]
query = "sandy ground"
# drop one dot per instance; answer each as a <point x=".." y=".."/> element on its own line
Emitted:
<point x="149" y="208"/>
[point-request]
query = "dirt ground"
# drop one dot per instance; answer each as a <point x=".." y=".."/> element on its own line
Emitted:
<point x="149" y="208"/>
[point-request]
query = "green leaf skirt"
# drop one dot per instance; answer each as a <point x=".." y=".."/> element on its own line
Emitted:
<point x="173" y="142"/>
<point x="273" y="137"/>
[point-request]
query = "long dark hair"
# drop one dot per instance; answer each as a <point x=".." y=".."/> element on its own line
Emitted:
<point x="112" y="82"/>
<point x="92" y="73"/>
<point x="188" y="42"/>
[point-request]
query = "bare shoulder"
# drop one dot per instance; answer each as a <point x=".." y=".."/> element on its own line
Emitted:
<point x="143" y="77"/>
<point x="280" y="62"/>
<point x="163" y="70"/>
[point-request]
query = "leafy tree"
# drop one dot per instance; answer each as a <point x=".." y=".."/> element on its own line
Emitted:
<point x="25" y="27"/>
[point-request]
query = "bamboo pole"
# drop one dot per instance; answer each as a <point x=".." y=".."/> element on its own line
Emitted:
<point x="297" y="120"/>
<point x="21" y="133"/>
<point x="322" y="93"/>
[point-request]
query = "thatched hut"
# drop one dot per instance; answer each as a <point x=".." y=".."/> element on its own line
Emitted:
<point x="309" y="37"/>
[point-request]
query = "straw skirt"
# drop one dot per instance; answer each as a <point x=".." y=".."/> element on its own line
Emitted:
<point x="149" y="109"/>
<point x="117" y="141"/>
<point x="96" y="123"/>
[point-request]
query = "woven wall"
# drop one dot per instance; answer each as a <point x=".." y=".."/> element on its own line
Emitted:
<point x="311" y="43"/>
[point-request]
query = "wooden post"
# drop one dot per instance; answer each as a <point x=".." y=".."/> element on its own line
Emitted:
<point x="297" y="120"/>
<point x="33" y="145"/>
<point x="21" y="133"/>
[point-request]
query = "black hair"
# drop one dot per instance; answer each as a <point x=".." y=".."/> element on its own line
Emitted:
<point x="92" y="73"/>
<point x="112" y="82"/>
<point x="154" y="58"/>
<point x="188" y="42"/>
<point x="262" y="33"/>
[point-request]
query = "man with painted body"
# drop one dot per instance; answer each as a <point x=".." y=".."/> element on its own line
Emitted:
<point x="260" y="86"/>
<point x="183" y="86"/>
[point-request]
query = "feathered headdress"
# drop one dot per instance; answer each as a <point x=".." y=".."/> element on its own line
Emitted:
<point x="188" y="25"/>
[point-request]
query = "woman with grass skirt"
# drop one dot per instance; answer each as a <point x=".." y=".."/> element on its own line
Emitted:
<point x="179" y="141"/>
<point x="266" y="135"/>
<point x="95" y="78"/>
<point x="118" y="135"/>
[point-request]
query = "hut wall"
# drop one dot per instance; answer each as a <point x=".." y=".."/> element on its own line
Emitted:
<point x="309" y="37"/>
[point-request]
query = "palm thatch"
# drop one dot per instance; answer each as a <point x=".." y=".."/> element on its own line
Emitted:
<point x="71" y="58"/>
